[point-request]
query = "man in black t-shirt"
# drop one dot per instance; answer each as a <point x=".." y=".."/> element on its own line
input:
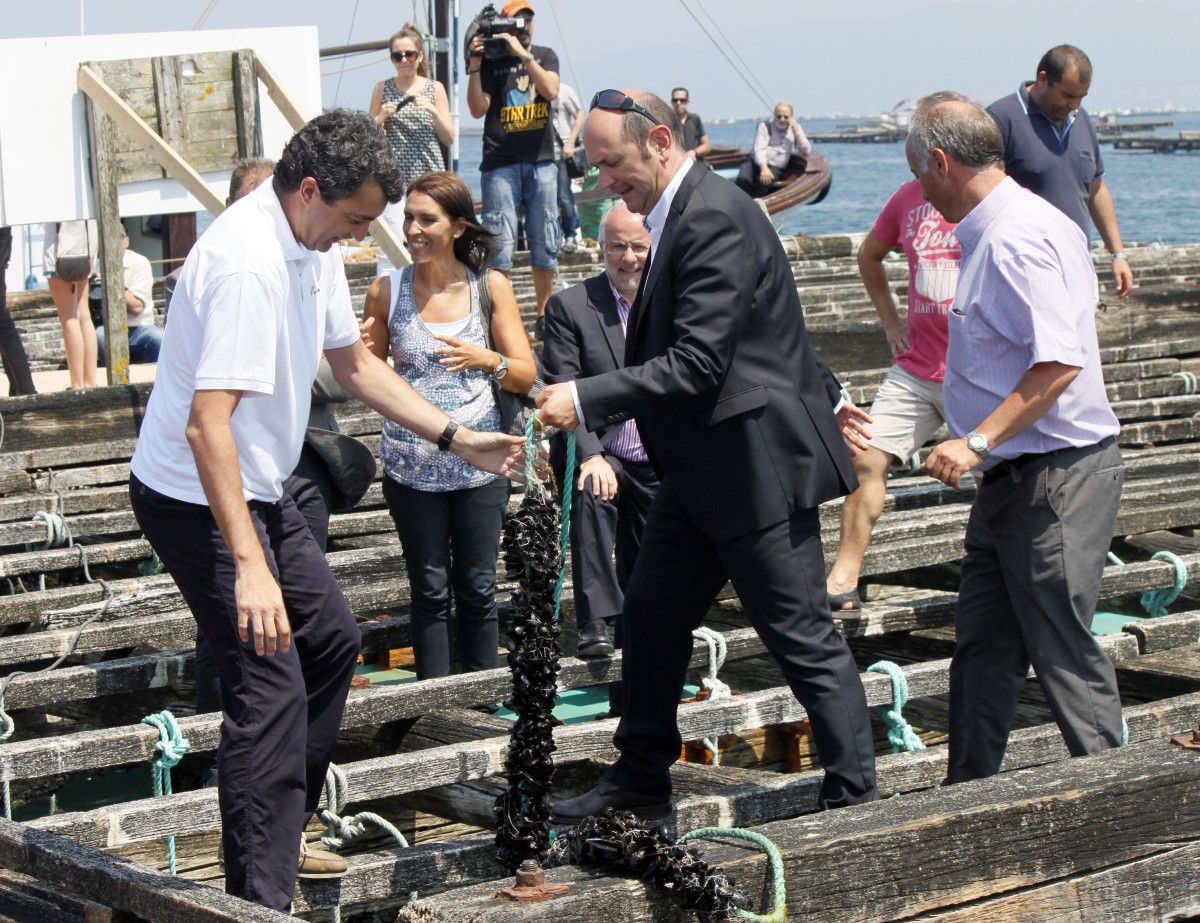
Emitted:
<point x="513" y="94"/>
<point x="695" y="138"/>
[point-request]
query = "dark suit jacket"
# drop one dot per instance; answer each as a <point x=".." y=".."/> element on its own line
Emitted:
<point x="582" y="338"/>
<point x="733" y="404"/>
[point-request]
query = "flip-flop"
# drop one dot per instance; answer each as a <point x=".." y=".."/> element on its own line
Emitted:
<point x="837" y="601"/>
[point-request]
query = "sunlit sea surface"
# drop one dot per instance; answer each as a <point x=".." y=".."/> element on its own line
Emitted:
<point x="1157" y="195"/>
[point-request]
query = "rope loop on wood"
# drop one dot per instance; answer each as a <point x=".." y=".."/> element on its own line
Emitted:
<point x="778" y="912"/>
<point x="717" y="689"/>
<point x="900" y="733"/>
<point x="1155" y="602"/>
<point x="341" y="831"/>
<point x="171" y="748"/>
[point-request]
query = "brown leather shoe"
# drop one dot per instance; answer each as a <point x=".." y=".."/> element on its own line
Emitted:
<point x="607" y="795"/>
<point x="319" y="863"/>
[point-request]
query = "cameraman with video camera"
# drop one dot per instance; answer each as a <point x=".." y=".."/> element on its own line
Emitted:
<point x="512" y="83"/>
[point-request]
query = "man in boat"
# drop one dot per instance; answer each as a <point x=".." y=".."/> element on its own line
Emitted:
<point x="908" y="407"/>
<point x="1026" y="407"/>
<point x="735" y="410"/>
<point x="585" y="336"/>
<point x="512" y="94"/>
<point x="261" y="294"/>
<point x="1051" y="148"/>
<point x="778" y="144"/>
<point x="695" y="138"/>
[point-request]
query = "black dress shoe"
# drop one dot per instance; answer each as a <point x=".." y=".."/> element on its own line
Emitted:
<point x="593" y="640"/>
<point x="607" y="795"/>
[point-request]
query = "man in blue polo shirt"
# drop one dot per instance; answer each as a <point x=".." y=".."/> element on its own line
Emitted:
<point x="1050" y="148"/>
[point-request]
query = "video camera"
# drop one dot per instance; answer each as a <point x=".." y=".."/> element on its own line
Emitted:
<point x="491" y="25"/>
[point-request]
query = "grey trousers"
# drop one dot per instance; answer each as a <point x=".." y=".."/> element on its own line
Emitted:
<point x="1036" y="543"/>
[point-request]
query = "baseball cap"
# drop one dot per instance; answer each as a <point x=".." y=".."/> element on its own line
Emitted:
<point x="513" y="7"/>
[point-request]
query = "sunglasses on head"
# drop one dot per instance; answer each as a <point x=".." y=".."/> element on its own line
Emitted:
<point x="616" y="101"/>
<point x="399" y="56"/>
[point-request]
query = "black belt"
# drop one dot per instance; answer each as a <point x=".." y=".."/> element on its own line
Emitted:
<point x="1016" y="466"/>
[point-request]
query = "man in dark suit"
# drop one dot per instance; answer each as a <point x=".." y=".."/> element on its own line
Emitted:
<point x="585" y="336"/>
<point x="736" y="411"/>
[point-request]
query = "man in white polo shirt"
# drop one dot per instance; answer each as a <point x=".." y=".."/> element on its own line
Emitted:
<point x="262" y="293"/>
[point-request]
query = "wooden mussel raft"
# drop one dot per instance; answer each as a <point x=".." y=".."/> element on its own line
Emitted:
<point x="1111" y="837"/>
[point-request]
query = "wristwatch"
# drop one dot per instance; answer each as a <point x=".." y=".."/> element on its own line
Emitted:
<point x="447" y="436"/>
<point x="501" y="370"/>
<point x="1119" y="255"/>
<point x="977" y="442"/>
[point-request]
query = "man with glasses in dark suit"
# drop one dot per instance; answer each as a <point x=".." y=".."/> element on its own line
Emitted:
<point x="735" y="410"/>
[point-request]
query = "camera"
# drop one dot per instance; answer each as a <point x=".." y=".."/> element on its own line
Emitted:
<point x="491" y="25"/>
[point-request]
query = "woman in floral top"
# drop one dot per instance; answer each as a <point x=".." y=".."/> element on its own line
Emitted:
<point x="448" y="514"/>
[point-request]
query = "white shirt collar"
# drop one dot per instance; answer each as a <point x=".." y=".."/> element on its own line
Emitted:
<point x="657" y="219"/>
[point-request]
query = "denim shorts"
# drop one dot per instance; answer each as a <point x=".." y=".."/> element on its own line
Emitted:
<point x="535" y="186"/>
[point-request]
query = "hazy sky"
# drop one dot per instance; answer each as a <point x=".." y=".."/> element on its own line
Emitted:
<point x="828" y="57"/>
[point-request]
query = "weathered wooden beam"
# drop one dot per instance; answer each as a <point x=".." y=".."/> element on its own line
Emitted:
<point x="410" y="772"/>
<point x="246" y="110"/>
<point x="714" y="796"/>
<point x="102" y="150"/>
<point x="121" y="884"/>
<point x="871" y="863"/>
<point x="1144" y="889"/>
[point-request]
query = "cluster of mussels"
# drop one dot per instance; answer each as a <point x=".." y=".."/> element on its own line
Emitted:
<point x="620" y="840"/>
<point x="531" y="557"/>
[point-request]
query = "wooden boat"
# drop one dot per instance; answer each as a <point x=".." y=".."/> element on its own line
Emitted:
<point x="807" y="184"/>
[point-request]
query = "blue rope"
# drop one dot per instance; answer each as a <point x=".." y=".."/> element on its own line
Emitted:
<point x="900" y="733"/>
<point x="1155" y="602"/>
<point x="778" y="912"/>
<point x="565" y="528"/>
<point x="172" y="746"/>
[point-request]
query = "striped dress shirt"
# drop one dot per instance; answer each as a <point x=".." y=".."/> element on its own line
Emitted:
<point x="1025" y="295"/>
<point x="627" y="444"/>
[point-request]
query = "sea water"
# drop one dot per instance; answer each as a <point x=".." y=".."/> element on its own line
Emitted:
<point x="1157" y="195"/>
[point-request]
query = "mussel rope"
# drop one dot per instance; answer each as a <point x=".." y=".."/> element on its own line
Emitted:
<point x="532" y="438"/>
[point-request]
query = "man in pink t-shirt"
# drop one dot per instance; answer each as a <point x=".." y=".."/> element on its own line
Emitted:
<point x="908" y="406"/>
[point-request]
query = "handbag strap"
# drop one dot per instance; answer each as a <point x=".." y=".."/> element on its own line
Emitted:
<point x="485" y="306"/>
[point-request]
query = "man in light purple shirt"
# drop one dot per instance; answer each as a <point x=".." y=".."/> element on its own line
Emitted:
<point x="1027" y="411"/>
<point x="775" y="144"/>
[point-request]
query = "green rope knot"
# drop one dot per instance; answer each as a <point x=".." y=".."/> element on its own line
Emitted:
<point x="171" y="747"/>
<point x="900" y="733"/>
<point x="1189" y="381"/>
<point x="152" y="566"/>
<point x="717" y="688"/>
<point x="778" y="912"/>
<point x="341" y="831"/>
<point x="1155" y="602"/>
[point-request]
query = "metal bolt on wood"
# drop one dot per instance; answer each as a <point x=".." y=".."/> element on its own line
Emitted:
<point x="531" y="885"/>
<point x="1188" y="741"/>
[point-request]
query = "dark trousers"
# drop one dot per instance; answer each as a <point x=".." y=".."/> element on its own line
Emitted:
<point x="568" y="216"/>
<point x="12" y="350"/>
<point x="600" y="527"/>
<point x="281" y="713"/>
<point x="1035" y="549"/>
<point x="748" y="176"/>
<point x="779" y="573"/>
<point x="312" y="491"/>
<point x="451" y="540"/>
